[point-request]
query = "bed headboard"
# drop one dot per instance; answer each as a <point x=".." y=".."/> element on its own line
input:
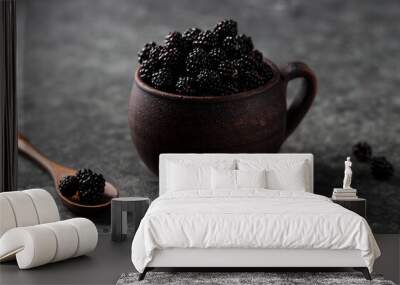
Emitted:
<point x="307" y="157"/>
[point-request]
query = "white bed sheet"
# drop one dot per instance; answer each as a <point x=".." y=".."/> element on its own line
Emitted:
<point x="250" y="219"/>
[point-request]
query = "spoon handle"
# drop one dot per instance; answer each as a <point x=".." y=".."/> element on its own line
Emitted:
<point x="56" y="170"/>
<point x="28" y="149"/>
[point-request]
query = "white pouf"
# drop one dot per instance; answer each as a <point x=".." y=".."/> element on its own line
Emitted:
<point x="67" y="237"/>
<point x="30" y="230"/>
<point x="45" y="205"/>
<point x="23" y="209"/>
<point x="40" y="244"/>
<point x="26" y="208"/>
<point x="7" y="219"/>
<point x="87" y="233"/>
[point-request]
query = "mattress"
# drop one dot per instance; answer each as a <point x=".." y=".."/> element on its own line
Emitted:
<point x="251" y="219"/>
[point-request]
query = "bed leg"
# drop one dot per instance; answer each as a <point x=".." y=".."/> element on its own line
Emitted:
<point x="364" y="271"/>
<point x="142" y="275"/>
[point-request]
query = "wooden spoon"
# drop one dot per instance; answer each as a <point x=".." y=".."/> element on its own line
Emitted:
<point x="57" y="172"/>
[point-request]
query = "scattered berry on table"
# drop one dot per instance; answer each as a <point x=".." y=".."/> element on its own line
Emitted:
<point x="381" y="168"/>
<point x="362" y="151"/>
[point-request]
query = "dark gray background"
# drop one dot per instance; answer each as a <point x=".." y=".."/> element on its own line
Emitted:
<point x="79" y="57"/>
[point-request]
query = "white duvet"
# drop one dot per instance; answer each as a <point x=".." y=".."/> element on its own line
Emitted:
<point x="250" y="219"/>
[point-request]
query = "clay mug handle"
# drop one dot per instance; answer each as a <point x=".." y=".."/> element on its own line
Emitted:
<point x="303" y="100"/>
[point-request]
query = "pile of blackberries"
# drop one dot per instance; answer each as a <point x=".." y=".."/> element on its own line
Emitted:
<point x="87" y="186"/>
<point x="204" y="63"/>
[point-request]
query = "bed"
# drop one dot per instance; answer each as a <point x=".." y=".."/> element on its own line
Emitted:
<point x="246" y="211"/>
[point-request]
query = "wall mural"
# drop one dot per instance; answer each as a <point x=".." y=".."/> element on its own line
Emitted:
<point x="79" y="60"/>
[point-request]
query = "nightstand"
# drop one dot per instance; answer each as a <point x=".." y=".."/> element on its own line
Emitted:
<point x="357" y="205"/>
<point x="120" y="207"/>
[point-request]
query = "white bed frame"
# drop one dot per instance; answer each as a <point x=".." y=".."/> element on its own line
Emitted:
<point x="251" y="258"/>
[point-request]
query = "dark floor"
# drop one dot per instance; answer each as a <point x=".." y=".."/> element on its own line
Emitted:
<point x="110" y="259"/>
<point x="78" y="59"/>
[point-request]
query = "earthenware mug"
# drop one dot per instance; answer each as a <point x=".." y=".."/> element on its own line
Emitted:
<point x="255" y="121"/>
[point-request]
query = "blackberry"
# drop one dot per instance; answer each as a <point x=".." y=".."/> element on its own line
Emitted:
<point x="69" y="186"/>
<point x="195" y="61"/>
<point x="84" y="174"/>
<point x="144" y="53"/>
<point x="215" y="56"/>
<point x="227" y="70"/>
<point x="89" y="179"/>
<point x="162" y="79"/>
<point x="226" y="28"/>
<point x="206" y="40"/>
<point x="186" y="86"/>
<point x="147" y="68"/>
<point x="245" y="63"/>
<point x="231" y="47"/>
<point x="250" y="80"/>
<point x="230" y="88"/>
<point x="91" y="186"/>
<point x="170" y="58"/>
<point x="90" y="197"/>
<point x="362" y="151"/>
<point x="245" y="43"/>
<point x="209" y="82"/>
<point x="265" y="71"/>
<point x="189" y="36"/>
<point x="258" y="56"/>
<point x="174" y="40"/>
<point x="214" y="62"/>
<point x="155" y="52"/>
<point x="381" y="168"/>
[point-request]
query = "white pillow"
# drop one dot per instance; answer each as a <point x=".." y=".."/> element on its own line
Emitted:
<point x="223" y="179"/>
<point x="251" y="178"/>
<point x="292" y="179"/>
<point x="288" y="175"/>
<point x="188" y="177"/>
<point x="203" y="162"/>
<point x="230" y="180"/>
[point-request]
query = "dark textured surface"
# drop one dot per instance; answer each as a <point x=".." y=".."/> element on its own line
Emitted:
<point x="80" y="55"/>
<point x="268" y="278"/>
